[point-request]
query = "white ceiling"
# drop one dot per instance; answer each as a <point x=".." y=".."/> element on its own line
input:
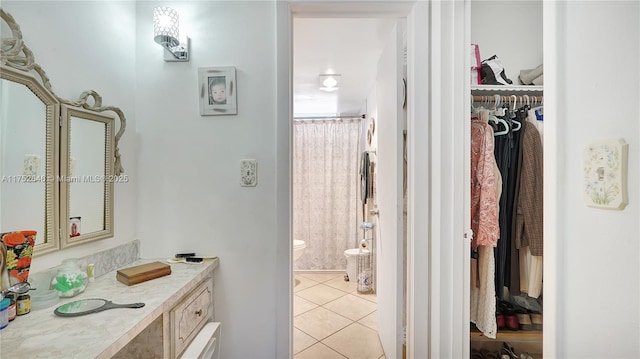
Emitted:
<point x="345" y="46"/>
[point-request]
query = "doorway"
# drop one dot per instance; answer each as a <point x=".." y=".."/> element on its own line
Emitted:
<point x="390" y="249"/>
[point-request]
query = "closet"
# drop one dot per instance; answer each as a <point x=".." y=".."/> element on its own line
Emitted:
<point x="507" y="118"/>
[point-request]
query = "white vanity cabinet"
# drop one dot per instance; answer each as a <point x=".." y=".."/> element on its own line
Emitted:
<point x="187" y="318"/>
<point x="177" y="307"/>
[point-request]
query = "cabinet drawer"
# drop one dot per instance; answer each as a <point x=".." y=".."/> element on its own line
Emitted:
<point x="188" y="317"/>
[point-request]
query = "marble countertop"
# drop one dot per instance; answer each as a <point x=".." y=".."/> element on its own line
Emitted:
<point x="42" y="334"/>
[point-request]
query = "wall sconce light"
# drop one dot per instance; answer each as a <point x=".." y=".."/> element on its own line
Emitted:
<point x="166" y="33"/>
<point x="329" y="82"/>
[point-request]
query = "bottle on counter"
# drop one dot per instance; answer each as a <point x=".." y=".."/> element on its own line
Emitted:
<point x="12" y="305"/>
<point x="23" y="304"/>
<point x="4" y="312"/>
<point x="90" y="272"/>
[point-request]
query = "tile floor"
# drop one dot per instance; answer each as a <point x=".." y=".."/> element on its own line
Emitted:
<point x="332" y="320"/>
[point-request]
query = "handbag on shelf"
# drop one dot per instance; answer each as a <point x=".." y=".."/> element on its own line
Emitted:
<point x="476" y="65"/>
<point x="493" y="72"/>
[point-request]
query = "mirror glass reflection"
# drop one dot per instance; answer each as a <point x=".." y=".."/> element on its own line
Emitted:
<point x="88" y="176"/>
<point x="88" y="189"/>
<point x="23" y="185"/>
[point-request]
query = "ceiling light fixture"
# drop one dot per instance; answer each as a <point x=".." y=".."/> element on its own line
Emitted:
<point x="329" y="82"/>
<point x="166" y="33"/>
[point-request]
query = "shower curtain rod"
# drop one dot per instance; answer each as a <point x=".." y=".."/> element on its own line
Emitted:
<point x="319" y="118"/>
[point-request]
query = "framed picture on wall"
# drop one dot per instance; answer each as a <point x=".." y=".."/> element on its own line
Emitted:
<point x="217" y="89"/>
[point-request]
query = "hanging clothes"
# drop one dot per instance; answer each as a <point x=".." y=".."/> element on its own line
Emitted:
<point x="528" y="227"/>
<point x="486" y="185"/>
<point x="507" y="149"/>
<point x="530" y="205"/>
<point x="517" y="190"/>
<point x="483" y="299"/>
<point x="365" y="177"/>
<point x="512" y="279"/>
<point x="484" y="220"/>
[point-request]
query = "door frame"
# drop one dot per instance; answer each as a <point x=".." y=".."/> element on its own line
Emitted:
<point x="415" y="13"/>
<point x="437" y="306"/>
<point x="437" y="141"/>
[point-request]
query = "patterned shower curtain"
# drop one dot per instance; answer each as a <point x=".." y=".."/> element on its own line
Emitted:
<point x="326" y="198"/>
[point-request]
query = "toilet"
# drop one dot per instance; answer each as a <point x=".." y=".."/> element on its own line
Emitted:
<point x="298" y="248"/>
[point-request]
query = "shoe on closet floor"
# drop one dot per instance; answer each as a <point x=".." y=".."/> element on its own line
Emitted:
<point x="536" y="321"/>
<point x="486" y="354"/>
<point x="476" y="354"/>
<point x="508" y="352"/>
<point x="524" y="318"/>
<point x="524" y="321"/>
<point x="508" y="311"/>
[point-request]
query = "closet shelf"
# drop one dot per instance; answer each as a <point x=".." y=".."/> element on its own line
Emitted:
<point x="506" y="336"/>
<point x="506" y="90"/>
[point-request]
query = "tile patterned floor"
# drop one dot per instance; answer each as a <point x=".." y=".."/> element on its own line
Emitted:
<point x="332" y="320"/>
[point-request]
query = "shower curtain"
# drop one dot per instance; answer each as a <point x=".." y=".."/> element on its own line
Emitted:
<point x="326" y="205"/>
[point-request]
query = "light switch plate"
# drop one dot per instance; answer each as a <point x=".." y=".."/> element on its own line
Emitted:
<point x="31" y="165"/>
<point x="248" y="173"/>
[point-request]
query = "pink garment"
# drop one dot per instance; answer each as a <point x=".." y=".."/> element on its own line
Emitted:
<point x="484" y="203"/>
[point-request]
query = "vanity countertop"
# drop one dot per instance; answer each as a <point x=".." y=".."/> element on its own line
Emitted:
<point x="42" y="334"/>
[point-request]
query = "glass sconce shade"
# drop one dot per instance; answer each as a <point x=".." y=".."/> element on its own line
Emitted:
<point x="165" y="26"/>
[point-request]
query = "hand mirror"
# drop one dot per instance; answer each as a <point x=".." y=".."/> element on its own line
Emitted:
<point x="88" y="306"/>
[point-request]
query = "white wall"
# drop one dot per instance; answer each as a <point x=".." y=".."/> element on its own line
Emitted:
<point x="184" y="168"/>
<point x="510" y="29"/>
<point x="189" y="193"/>
<point x="598" y="282"/>
<point x="80" y="49"/>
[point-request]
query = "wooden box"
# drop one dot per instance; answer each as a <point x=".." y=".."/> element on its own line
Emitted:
<point x="142" y="273"/>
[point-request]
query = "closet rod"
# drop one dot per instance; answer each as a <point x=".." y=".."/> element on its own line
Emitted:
<point x="504" y="98"/>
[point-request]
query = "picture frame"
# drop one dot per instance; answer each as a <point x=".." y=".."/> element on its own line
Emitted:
<point x="217" y="89"/>
<point x="605" y="174"/>
<point x="75" y="224"/>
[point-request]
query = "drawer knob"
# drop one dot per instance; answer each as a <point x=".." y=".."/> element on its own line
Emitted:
<point x="199" y="312"/>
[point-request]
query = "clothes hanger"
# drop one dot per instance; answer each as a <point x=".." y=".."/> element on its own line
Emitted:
<point x="502" y="121"/>
<point x="497" y="110"/>
<point x="517" y="123"/>
<point x="498" y="120"/>
<point x="476" y="110"/>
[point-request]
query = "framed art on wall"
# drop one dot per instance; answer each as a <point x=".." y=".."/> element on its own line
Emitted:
<point x="217" y="90"/>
